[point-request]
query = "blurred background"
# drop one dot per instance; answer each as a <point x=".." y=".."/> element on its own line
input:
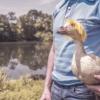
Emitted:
<point x="25" y="36"/>
<point x="25" y="41"/>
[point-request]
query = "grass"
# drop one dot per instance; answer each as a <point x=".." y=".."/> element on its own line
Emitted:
<point x="21" y="89"/>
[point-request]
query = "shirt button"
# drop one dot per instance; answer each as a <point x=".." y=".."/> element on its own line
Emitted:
<point x="69" y="8"/>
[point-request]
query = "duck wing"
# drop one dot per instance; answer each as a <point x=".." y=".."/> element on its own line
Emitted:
<point x="90" y="65"/>
<point x="96" y="58"/>
<point x="89" y="62"/>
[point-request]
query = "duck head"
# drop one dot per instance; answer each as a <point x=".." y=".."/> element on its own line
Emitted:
<point x="73" y="29"/>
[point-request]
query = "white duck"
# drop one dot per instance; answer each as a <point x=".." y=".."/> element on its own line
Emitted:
<point x="84" y="65"/>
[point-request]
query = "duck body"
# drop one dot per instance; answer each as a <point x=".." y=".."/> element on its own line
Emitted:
<point x="86" y="67"/>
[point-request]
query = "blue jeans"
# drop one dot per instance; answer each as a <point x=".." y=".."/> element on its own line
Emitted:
<point x="79" y="92"/>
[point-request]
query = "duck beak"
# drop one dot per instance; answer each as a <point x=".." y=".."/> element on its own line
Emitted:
<point x="62" y="30"/>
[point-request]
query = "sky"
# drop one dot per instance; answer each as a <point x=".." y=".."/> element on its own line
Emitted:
<point x="23" y="6"/>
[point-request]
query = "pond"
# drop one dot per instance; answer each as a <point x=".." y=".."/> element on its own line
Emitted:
<point x="21" y="58"/>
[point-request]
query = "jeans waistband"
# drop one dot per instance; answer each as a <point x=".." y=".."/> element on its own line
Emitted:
<point x="65" y="86"/>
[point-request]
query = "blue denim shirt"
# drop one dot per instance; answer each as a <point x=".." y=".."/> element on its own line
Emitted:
<point x="87" y="12"/>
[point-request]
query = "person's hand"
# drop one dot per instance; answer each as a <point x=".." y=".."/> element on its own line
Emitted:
<point x="95" y="88"/>
<point x="46" y="95"/>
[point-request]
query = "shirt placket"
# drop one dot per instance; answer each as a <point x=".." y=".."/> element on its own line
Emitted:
<point x="70" y="9"/>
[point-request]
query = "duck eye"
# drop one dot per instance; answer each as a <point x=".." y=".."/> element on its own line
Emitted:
<point x="72" y="24"/>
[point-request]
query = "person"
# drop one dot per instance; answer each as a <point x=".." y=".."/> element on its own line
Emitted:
<point x="60" y="83"/>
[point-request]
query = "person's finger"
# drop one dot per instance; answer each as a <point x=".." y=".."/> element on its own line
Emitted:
<point x="94" y="88"/>
<point x="48" y="98"/>
<point x="97" y="77"/>
<point x="97" y="93"/>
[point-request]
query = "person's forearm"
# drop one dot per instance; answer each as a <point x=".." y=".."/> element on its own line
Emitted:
<point x="50" y="64"/>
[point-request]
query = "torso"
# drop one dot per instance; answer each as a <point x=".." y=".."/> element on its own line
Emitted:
<point x="87" y="12"/>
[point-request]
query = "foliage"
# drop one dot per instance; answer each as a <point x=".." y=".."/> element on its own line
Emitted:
<point x="23" y="89"/>
<point x="33" y="26"/>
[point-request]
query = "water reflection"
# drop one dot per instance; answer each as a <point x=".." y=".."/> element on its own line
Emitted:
<point x="20" y="59"/>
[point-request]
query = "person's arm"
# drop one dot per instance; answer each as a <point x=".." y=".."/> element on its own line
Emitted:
<point x="50" y="64"/>
<point x="48" y="81"/>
